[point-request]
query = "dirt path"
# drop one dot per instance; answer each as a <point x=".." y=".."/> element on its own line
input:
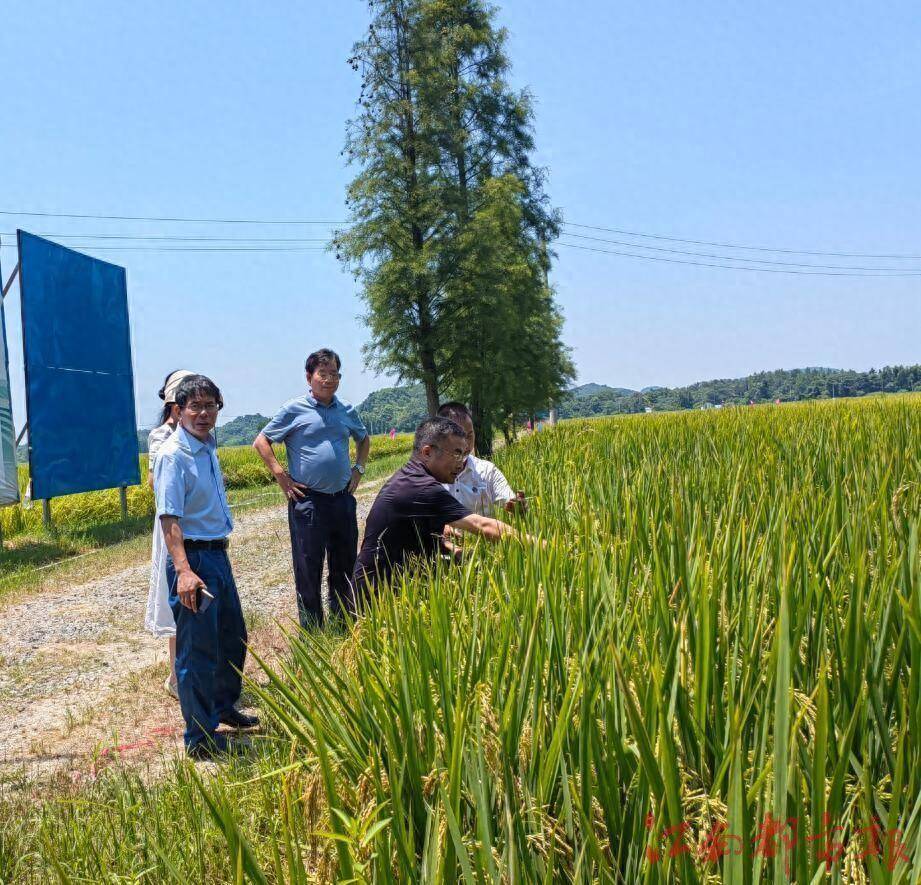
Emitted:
<point x="81" y="680"/>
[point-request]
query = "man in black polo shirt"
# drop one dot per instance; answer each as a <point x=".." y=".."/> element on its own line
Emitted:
<point x="411" y="512"/>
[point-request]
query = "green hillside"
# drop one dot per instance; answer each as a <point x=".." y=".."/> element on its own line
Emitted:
<point x="787" y="385"/>
<point x="399" y="407"/>
<point x="404" y="407"/>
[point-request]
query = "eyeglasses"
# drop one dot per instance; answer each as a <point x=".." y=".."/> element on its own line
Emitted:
<point x="200" y="408"/>
<point x="458" y="454"/>
<point x="329" y="376"/>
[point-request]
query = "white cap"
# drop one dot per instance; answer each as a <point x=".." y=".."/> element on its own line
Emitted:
<point x="172" y="384"/>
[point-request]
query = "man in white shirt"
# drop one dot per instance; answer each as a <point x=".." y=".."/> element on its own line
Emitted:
<point x="480" y="486"/>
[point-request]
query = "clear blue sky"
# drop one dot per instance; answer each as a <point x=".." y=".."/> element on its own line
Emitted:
<point x="780" y="124"/>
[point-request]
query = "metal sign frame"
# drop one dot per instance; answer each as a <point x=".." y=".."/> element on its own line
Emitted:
<point x="8" y="488"/>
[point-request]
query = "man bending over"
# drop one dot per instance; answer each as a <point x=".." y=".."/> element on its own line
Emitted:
<point x="410" y="513"/>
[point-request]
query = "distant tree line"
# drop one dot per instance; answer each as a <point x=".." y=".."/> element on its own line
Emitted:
<point x="404" y="407"/>
<point x="787" y="385"/>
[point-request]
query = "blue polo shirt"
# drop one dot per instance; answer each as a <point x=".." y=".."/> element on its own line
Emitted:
<point x="188" y="484"/>
<point x="317" y="440"/>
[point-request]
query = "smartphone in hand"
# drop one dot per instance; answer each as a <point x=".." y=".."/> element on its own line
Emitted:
<point x="205" y="598"/>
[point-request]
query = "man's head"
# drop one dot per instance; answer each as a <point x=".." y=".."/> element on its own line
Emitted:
<point x="323" y="376"/>
<point x="460" y="415"/>
<point x="439" y="444"/>
<point x="199" y="401"/>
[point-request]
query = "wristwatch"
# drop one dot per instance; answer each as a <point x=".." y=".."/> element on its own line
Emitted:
<point x="359" y="468"/>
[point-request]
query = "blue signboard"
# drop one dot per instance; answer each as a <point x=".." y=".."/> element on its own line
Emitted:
<point x="79" y="379"/>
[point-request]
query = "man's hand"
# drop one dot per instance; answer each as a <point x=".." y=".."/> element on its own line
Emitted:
<point x="354" y="480"/>
<point x="518" y="504"/>
<point x="455" y="551"/>
<point x="292" y="490"/>
<point x="187" y="587"/>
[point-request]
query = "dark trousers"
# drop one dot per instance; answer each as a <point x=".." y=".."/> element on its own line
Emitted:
<point x="323" y="525"/>
<point x="210" y="646"/>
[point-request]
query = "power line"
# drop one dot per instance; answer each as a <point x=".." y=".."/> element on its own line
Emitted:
<point x="819" y="273"/>
<point x="567" y="224"/>
<point x="97" y="248"/>
<point x="173" y="238"/>
<point x="633" y="233"/>
<point x="158" y="218"/>
<point x="734" y="258"/>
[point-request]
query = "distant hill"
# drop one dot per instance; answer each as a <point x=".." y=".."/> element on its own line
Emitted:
<point x="584" y="390"/>
<point x="239" y="431"/>
<point x="404" y="407"/>
<point x="399" y="407"/>
<point x="784" y="384"/>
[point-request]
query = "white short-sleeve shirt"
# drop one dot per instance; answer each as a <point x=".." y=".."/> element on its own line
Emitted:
<point x="157" y="437"/>
<point x="481" y="486"/>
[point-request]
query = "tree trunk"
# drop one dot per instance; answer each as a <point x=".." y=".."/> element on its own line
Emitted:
<point x="482" y="424"/>
<point x="430" y="381"/>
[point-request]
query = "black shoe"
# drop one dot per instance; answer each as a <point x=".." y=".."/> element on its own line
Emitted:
<point x="217" y="749"/>
<point x="235" y="719"/>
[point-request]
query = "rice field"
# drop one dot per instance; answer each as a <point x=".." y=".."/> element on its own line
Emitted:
<point x="710" y="672"/>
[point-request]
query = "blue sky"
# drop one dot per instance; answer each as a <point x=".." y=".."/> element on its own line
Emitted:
<point x="786" y="125"/>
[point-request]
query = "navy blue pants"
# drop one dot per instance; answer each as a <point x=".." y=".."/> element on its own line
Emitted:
<point x="210" y="647"/>
<point x="323" y="525"/>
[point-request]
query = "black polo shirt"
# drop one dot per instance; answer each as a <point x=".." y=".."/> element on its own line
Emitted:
<point x="407" y="518"/>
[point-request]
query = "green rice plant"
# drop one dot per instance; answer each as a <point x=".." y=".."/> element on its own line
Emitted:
<point x="709" y="672"/>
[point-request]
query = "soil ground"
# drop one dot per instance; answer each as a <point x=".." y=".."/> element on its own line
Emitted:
<point x="81" y="681"/>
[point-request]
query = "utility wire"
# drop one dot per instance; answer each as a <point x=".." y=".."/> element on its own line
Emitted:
<point x="747" y="258"/>
<point x="96" y="248"/>
<point x="566" y="224"/>
<point x="157" y="218"/>
<point x="633" y="233"/>
<point x="819" y="273"/>
<point x="173" y="238"/>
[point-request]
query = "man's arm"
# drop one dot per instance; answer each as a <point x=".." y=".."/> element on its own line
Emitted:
<point x="362" y="450"/>
<point x="187" y="581"/>
<point x="487" y="527"/>
<point x="292" y="490"/>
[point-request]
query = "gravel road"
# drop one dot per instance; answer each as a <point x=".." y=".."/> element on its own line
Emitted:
<point x="80" y="678"/>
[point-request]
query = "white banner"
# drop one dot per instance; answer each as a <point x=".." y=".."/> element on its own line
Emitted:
<point x="9" y="480"/>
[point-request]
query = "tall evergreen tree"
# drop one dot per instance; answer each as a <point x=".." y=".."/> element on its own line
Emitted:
<point x="393" y="203"/>
<point x="450" y="218"/>
<point x="482" y="129"/>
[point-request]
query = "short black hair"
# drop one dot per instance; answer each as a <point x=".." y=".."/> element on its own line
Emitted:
<point x="454" y="410"/>
<point x="432" y="431"/>
<point x="197" y="385"/>
<point x="321" y="356"/>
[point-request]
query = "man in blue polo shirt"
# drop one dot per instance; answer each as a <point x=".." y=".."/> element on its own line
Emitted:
<point x="319" y="484"/>
<point x="195" y="520"/>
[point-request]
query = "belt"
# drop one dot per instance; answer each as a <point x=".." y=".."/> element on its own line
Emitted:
<point x="343" y="491"/>
<point x="218" y="544"/>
